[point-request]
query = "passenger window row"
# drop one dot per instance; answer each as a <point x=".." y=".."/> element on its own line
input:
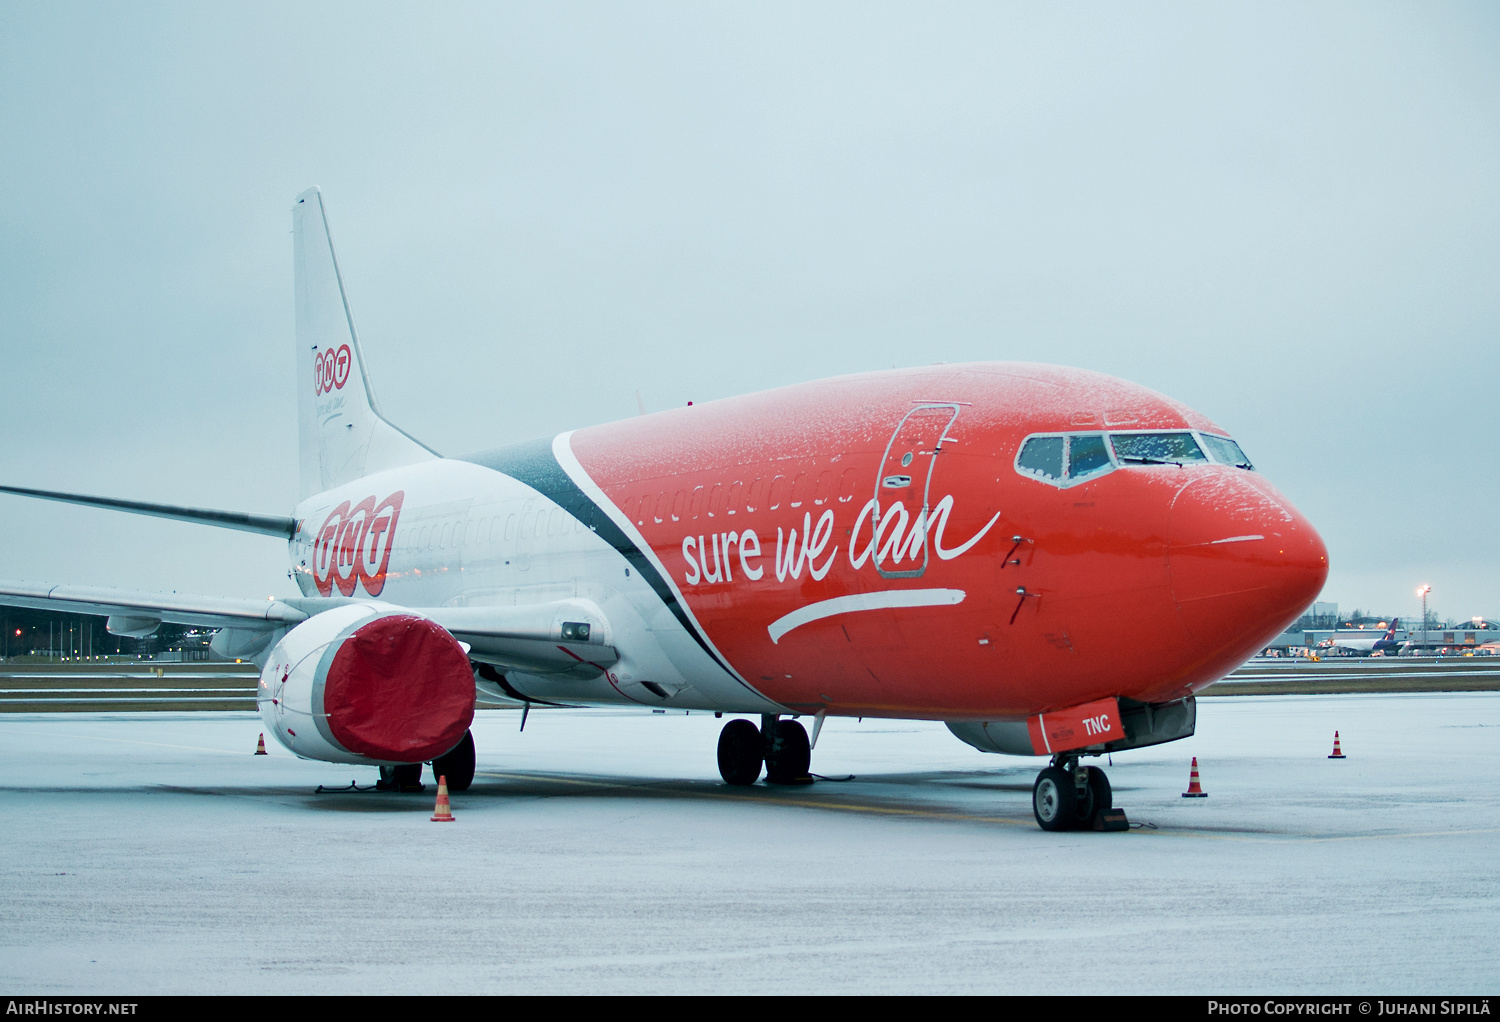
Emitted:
<point x="1067" y="458"/>
<point x="720" y="501"/>
<point x="490" y="530"/>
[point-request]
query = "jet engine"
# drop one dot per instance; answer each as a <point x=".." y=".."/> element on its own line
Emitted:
<point x="1145" y="724"/>
<point x="367" y="684"/>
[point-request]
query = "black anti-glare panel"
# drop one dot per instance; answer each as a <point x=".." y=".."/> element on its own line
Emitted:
<point x="534" y="464"/>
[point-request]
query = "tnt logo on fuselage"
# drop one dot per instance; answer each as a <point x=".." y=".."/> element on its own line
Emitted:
<point x="331" y="369"/>
<point x="353" y="547"/>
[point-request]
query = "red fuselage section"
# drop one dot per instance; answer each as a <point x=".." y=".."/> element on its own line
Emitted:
<point x="870" y="545"/>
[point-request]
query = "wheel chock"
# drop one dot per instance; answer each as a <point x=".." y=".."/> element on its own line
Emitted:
<point x="1110" y="820"/>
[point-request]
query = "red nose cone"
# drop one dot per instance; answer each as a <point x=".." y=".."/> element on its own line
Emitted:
<point x="1244" y="562"/>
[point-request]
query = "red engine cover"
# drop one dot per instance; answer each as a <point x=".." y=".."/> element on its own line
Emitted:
<point x="400" y="688"/>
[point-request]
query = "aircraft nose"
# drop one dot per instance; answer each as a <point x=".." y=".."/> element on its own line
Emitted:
<point x="1244" y="562"/>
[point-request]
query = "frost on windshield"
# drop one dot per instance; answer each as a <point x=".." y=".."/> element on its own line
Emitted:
<point x="1157" y="448"/>
<point x="1226" y="451"/>
<point x="1042" y="456"/>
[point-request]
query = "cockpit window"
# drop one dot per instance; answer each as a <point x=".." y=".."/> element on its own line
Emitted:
<point x="1157" y="448"/>
<point x="1087" y="455"/>
<point x="1065" y="459"/>
<point x="1042" y="456"/>
<point x="1226" y="451"/>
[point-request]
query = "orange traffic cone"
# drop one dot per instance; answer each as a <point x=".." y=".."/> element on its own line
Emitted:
<point x="260" y="744"/>
<point x="1337" y="753"/>
<point x="1195" y="790"/>
<point x="441" y="813"/>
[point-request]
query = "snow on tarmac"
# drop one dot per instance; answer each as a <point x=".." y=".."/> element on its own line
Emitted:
<point x="598" y="852"/>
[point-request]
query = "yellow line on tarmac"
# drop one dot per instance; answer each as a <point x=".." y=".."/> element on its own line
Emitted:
<point x="876" y="810"/>
<point x="767" y="800"/>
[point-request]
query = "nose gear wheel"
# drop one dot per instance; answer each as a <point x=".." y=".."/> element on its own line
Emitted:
<point x="1060" y="802"/>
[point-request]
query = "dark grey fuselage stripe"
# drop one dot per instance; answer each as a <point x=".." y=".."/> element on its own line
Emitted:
<point x="534" y="464"/>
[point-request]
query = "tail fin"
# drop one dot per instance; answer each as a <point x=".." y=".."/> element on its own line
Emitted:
<point x="342" y="435"/>
<point x="1391" y="631"/>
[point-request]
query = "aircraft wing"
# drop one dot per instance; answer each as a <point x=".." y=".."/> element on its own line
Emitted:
<point x="265" y="525"/>
<point x="568" y="637"/>
<point x="142" y="606"/>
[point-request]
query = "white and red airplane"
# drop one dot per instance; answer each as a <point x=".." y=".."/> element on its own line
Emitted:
<point x="1366" y="645"/>
<point x="1050" y="560"/>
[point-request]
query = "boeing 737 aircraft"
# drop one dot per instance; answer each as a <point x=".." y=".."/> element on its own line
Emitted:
<point x="1050" y="560"/>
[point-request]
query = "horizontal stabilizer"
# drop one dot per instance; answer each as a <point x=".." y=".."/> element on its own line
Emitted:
<point x="266" y="525"/>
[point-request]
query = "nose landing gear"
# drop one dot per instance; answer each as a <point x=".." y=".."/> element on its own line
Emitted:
<point x="781" y="745"/>
<point x="1070" y="796"/>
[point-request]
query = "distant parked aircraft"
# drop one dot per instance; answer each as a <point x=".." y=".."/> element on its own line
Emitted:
<point x="1365" y="646"/>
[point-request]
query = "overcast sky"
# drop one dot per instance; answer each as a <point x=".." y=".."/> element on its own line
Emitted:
<point x="1287" y="217"/>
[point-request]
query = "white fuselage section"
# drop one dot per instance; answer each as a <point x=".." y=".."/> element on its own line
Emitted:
<point x="469" y="536"/>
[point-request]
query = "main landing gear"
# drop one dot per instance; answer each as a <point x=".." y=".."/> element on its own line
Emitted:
<point x="781" y="745"/>
<point x="457" y="765"/>
<point x="1070" y="796"/>
<point x="405" y="778"/>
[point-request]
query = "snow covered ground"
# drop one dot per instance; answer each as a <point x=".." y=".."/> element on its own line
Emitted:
<point x="599" y="852"/>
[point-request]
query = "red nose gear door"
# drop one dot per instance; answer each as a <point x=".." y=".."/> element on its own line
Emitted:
<point x="903" y="489"/>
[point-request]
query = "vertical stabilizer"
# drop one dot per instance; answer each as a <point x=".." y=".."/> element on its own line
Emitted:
<point x="341" y="433"/>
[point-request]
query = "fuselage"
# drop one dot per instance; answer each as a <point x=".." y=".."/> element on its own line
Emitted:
<point x="966" y="542"/>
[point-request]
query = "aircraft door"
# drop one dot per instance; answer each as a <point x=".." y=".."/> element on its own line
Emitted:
<point x="905" y="479"/>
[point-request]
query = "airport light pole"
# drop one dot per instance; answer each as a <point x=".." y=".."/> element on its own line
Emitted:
<point x="1422" y="592"/>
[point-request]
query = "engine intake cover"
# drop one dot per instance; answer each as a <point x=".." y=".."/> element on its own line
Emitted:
<point x="399" y="688"/>
<point x="362" y="684"/>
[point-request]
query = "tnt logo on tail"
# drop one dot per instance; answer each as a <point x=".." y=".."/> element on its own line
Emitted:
<point x="331" y="369"/>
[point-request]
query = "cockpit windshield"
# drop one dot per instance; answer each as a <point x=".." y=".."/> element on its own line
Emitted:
<point x="1157" y="448"/>
<point x="1226" y="451"/>
<point x="1064" y="459"/>
<point x="1087" y="455"/>
<point x="1043" y="456"/>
